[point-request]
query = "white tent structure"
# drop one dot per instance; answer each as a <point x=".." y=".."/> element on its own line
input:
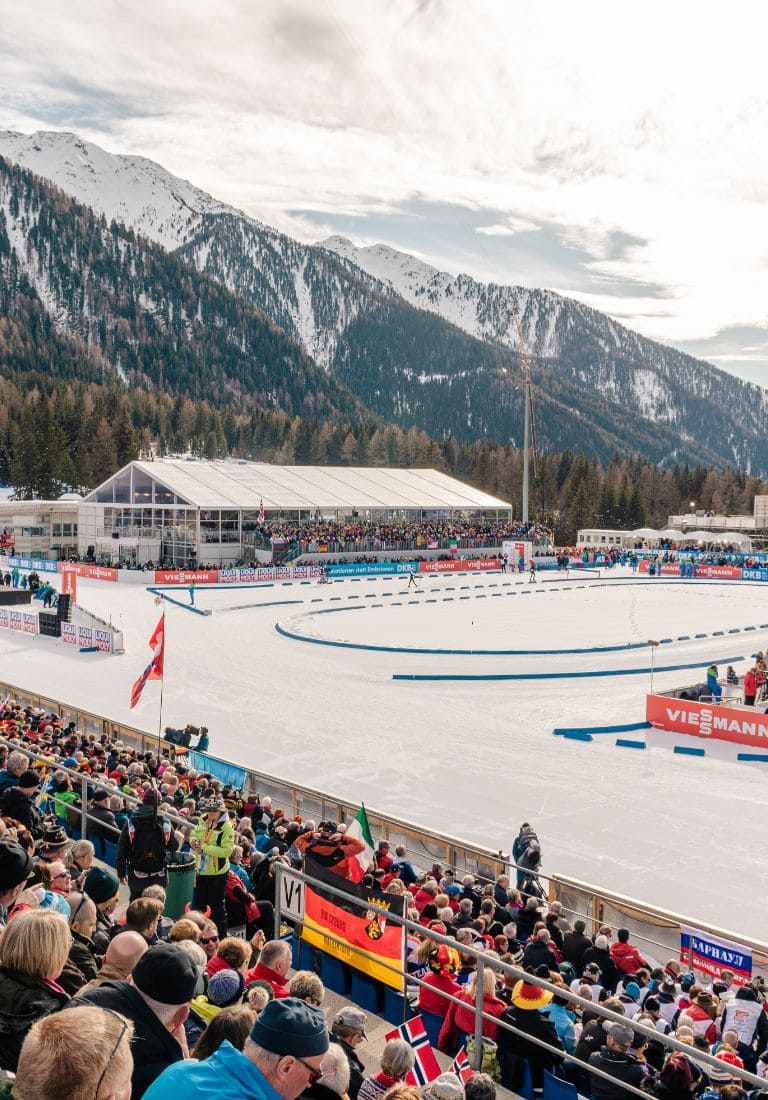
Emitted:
<point x="645" y="533"/>
<point x="186" y="510"/>
<point x="672" y="533"/>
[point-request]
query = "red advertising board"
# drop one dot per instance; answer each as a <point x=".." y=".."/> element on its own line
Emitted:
<point x="69" y="583"/>
<point x="459" y="566"/>
<point x="184" y="576"/>
<point x="672" y="569"/>
<point x="92" y="572"/>
<point x="739" y="725"/>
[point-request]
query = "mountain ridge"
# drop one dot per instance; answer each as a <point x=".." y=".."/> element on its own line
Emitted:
<point x="390" y="338"/>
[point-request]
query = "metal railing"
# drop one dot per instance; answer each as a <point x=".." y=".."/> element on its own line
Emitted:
<point x="500" y="968"/>
<point x="651" y="925"/>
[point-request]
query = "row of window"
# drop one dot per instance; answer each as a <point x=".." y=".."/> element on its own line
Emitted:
<point x="64" y="530"/>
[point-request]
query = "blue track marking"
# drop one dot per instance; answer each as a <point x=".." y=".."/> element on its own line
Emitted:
<point x="752" y="756"/>
<point x="629" y="727"/>
<point x="184" y="606"/>
<point x="465" y="677"/>
<point x="683" y="750"/>
<point x="625" y="743"/>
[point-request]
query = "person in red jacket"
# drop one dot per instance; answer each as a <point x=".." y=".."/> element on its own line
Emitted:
<point x="626" y="958"/>
<point x="750" y="686"/>
<point x="439" y="982"/>
<point x="459" y="1020"/>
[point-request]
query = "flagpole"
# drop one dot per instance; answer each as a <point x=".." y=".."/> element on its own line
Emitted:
<point x="162" y="685"/>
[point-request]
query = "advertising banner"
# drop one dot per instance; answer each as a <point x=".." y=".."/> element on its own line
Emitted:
<point x="672" y="569"/>
<point x="69" y="633"/>
<point x="475" y="566"/>
<point x="516" y="549"/>
<point x="85" y="637"/>
<point x="92" y="572"/>
<point x="103" y="640"/>
<point x="31" y="563"/>
<point x="373" y="569"/>
<point x="754" y="574"/>
<point x="738" y="726"/>
<point x="354" y="924"/>
<point x="4" y="624"/>
<point x="184" y="576"/>
<point x="709" y="954"/>
<point x="28" y="623"/>
<point x="69" y="583"/>
<point x="14" y="620"/>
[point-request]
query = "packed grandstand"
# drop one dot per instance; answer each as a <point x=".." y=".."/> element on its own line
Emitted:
<point x="97" y="989"/>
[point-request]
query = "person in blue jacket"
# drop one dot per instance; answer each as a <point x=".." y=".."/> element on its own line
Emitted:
<point x="714" y="687"/>
<point x="281" y="1058"/>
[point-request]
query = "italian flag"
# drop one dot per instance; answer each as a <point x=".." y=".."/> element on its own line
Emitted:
<point x="360" y="830"/>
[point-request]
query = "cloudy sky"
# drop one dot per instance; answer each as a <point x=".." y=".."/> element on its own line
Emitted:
<point x="614" y="152"/>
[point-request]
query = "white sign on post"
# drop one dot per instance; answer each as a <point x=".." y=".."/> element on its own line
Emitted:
<point x="291" y="895"/>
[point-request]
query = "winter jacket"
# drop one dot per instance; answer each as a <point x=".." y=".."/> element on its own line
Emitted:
<point x="19" y="806"/>
<point x="537" y="953"/>
<point x="356" y="1069"/>
<point x="627" y="958"/>
<point x="609" y="975"/>
<point x="153" y="1046"/>
<point x="563" y="1021"/>
<point x="623" y="1067"/>
<point x="23" y="1001"/>
<point x="574" y="946"/>
<point x="750" y="683"/>
<point x="8" y="779"/>
<point x="430" y="999"/>
<point x="513" y="1047"/>
<point x="526" y="918"/>
<point x="144" y="841"/>
<point x="217" y="844"/>
<point x="82" y="957"/>
<point x="702" y="1022"/>
<point x="746" y="1016"/>
<point x="226" y="1075"/>
<point x="262" y="973"/>
<point x="462" y="1017"/>
<point x="337" y="855"/>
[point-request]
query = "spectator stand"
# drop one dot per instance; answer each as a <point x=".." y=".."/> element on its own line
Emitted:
<point x="656" y="929"/>
<point x="500" y="968"/>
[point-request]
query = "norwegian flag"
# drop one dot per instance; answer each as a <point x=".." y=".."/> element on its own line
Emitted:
<point x="425" y="1068"/>
<point x="154" y="670"/>
<point x="261" y="510"/>
<point x="461" y="1067"/>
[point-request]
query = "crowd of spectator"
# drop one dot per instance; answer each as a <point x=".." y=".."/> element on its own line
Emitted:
<point x="325" y="536"/>
<point x="139" y="1004"/>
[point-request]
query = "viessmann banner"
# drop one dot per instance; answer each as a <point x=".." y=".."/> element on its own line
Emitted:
<point x="352" y="922"/>
<point x="740" y="727"/>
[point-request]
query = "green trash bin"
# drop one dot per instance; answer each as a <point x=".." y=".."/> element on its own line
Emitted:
<point x="181" y="883"/>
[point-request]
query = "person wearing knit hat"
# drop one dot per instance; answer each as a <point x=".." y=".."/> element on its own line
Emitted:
<point x="102" y="886"/>
<point x="445" y="1087"/>
<point x="282" y="1055"/>
<point x="157" y="1002"/>
<point x="15" y="868"/>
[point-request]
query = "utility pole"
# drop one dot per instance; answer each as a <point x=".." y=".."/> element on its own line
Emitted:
<point x="528" y="426"/>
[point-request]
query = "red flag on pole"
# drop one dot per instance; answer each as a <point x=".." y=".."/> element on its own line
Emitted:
<point x="154" y="670"/>
<point x="426" y="1067"/>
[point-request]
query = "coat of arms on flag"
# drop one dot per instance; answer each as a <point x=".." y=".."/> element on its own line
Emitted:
<point x="426" y="1067"/>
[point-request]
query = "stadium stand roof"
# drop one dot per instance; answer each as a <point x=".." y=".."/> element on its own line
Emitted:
<point x="239" y="484"/>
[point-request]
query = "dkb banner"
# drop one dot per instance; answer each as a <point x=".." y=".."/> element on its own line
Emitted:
<point x="352" y="922"/>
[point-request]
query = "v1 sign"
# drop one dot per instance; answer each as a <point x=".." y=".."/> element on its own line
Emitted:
<point x="291" y="895"/>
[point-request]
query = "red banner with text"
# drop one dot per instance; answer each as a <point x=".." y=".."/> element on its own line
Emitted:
<point x="740" y="726"/>
<point x="473" y="566"/>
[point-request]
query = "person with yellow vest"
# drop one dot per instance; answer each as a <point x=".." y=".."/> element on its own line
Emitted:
<point x="212" y="840"/>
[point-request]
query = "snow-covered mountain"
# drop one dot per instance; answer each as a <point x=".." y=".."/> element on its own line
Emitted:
<point x="420" y="346"/>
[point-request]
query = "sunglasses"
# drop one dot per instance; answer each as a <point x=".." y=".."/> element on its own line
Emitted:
<point x="115" y="1048"/>
<point x="210" y="939"/>
<point x="314" y="1074"/>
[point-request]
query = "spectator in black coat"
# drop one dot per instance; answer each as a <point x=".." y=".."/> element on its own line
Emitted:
<point x="599" y="954"/>
<point x="538" y="952"/>
<point x="18" y="802"/>
<point x="615" y="1059"/>
<point x="157" y="1003"/>
<point x="514" y="1049"/>
<point x="527" y="917"/>
<point x="575" y="943"/>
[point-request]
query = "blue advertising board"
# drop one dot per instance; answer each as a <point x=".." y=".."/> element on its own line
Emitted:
<point x="754" y="574"/>
<point x="30" y="563"/>
<point x="372" y="569"/>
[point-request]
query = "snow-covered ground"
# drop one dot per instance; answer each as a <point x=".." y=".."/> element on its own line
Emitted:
<point x="472" y="758"/>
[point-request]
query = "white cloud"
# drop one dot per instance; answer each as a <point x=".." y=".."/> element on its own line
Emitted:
<point x="598" y="119"/>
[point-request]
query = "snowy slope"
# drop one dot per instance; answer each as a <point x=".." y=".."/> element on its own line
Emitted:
<point x="133" y="190"/>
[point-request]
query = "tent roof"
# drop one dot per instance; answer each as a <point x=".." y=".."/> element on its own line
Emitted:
<point x="672" y="533"/>
<point x="246" y="484"/>
<point x="646" y="533"/>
